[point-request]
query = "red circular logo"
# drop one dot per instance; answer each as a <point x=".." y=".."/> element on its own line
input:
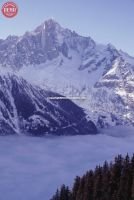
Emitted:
<point x="9" y="9"/>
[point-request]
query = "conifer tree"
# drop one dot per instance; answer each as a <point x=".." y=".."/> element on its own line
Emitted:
<point x="75" y="187"/>
<point x="89" y="185"/>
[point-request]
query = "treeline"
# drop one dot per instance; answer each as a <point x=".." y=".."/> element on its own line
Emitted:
<point x="112" y="181"/>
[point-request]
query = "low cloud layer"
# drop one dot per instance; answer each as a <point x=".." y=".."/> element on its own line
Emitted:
<point x="33" y="168"/>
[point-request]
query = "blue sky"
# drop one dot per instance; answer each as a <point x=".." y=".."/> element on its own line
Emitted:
<point x="106" y="21"/>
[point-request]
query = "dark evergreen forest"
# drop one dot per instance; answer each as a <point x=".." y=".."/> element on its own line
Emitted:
<point x="112" y="181"/>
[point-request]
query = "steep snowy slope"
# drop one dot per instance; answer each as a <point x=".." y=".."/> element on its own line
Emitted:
<point x="27" y="109"/>
<point x="60" y="60"/>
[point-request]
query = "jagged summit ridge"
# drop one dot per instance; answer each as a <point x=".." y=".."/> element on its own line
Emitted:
<point x="45" y="43"/>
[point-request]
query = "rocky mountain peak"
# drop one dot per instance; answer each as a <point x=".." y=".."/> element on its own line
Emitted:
<point x="49" y="26"/>
<point x="71" y="64"/>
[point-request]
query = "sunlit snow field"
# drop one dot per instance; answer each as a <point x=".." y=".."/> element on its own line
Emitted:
<point x="32" y="168"/>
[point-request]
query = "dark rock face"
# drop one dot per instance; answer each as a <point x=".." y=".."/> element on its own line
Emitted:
<point x="26" y="109"/>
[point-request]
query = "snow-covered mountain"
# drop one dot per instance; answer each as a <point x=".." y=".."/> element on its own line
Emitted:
<point x="26" y="109"/>
<point x="60" y="60"/>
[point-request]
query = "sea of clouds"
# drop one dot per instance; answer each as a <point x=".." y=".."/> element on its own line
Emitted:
<point x="32" y="168"/>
